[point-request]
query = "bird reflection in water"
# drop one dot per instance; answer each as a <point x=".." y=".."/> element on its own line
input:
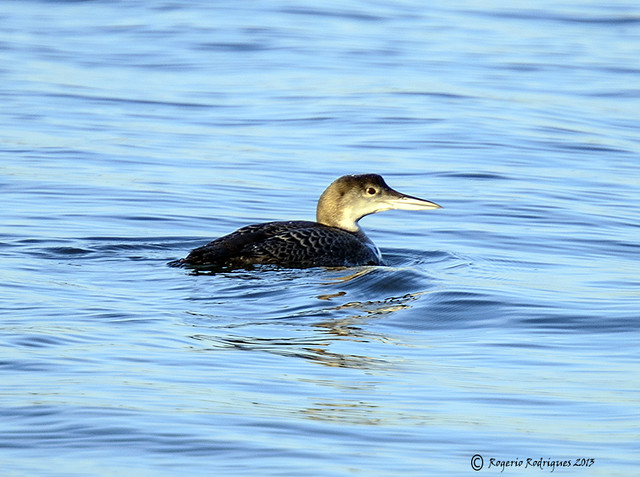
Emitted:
<point x="315" y="347"/>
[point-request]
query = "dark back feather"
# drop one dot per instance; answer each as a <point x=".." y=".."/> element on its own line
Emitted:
<point x="297" y="244"/>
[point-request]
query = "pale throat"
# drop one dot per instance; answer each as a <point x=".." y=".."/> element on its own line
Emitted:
<point x="347" y="219"/>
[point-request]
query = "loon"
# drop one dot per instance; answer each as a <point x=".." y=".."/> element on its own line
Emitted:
<point x="334" y="240"/>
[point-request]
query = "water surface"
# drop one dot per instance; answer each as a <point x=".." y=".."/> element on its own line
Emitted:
<point x="504" y="325"/>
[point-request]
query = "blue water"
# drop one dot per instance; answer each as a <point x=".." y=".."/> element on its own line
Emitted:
<point x="506" y="324"/>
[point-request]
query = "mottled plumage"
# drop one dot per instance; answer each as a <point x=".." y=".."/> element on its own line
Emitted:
<point x="335" y="240"/>
<point x="295" y="244"/>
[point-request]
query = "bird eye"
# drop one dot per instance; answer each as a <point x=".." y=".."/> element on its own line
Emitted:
<point x="371" y="191"/>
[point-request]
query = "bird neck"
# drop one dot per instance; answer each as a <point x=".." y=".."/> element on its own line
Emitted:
<point x="330" y="212"/>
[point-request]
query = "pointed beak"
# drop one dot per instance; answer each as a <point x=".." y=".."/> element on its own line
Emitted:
<point x="396" y="200"/>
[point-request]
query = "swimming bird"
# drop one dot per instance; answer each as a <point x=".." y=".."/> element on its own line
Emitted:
<point x="334" y="240"/>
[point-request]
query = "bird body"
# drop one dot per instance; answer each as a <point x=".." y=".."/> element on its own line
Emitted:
<point x="292" y="244"/>
<point x="334" y="240"/>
